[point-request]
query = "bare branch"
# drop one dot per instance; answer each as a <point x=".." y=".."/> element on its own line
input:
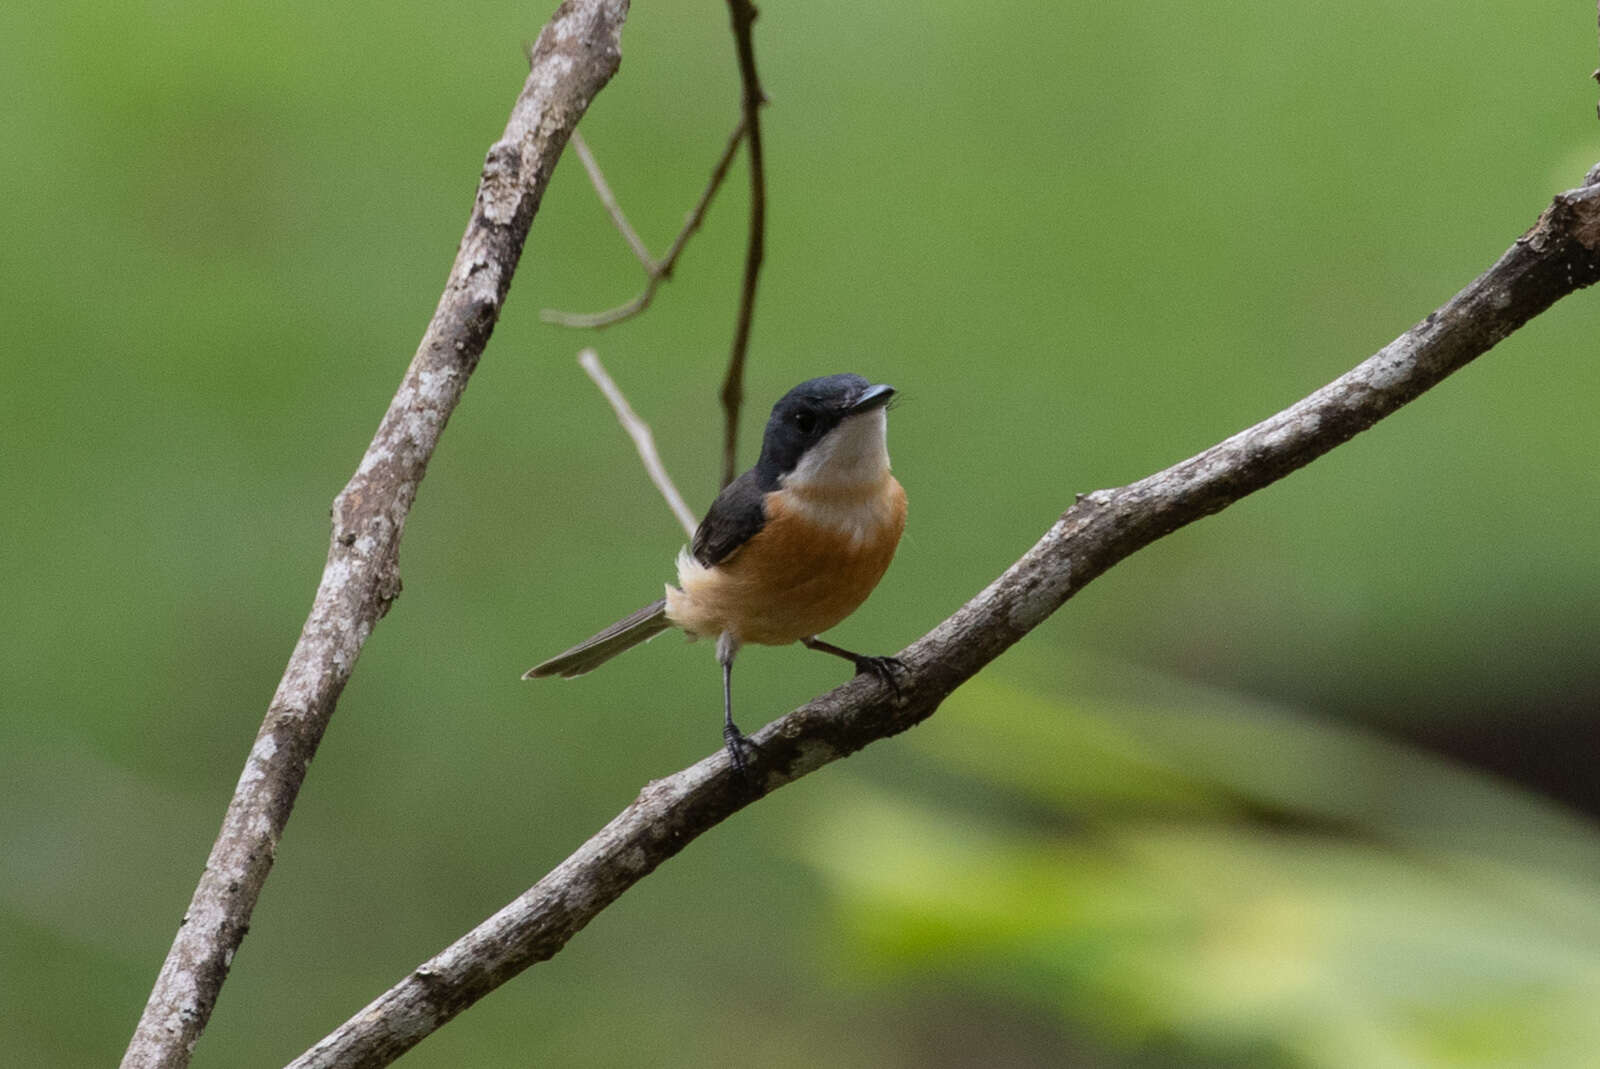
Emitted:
<point x="1559" y="255"/>
<point x="576" y="54"/>
<point x="661" y="271"/>
<point x="643" y="440"/>
<point x="743" y="16"/>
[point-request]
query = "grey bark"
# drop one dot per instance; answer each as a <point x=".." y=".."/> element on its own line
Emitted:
<point x="574" y="57"/>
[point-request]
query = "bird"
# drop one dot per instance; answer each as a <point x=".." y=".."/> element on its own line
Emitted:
<point x="787" y="550"/>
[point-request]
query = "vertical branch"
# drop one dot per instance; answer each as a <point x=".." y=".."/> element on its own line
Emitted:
<point x="743" y="15"/>
<point x="576" y="54"/>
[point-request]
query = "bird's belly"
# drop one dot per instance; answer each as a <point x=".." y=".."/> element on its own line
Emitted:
<point x="794" y="579"/>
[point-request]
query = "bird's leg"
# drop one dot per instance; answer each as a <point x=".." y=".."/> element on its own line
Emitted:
<point x="882" y="667"/>
<point x="735" y="739"/>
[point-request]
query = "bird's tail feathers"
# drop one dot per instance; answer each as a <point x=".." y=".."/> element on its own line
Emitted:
<point x="591" y="653"/>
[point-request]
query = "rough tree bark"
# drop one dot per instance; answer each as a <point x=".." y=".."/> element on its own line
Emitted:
<point x="1560" y="255"/>
<point x="575" y="55"/>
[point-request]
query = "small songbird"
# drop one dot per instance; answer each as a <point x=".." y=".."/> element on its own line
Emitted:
<point x="788" y="549"/>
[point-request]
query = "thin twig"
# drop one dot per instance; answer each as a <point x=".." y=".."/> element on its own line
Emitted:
<point x="1559" y="255"/>
<point x="603" y="190"/>
<point x="576" y="54"/>
<point x="643" y="440"/>
<point x="742" y="13"/>
<point x="656" y="271"/>
<point x="698" y="213"/>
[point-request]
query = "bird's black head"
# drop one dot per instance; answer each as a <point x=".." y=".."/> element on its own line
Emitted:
<point x="806" y="414"/>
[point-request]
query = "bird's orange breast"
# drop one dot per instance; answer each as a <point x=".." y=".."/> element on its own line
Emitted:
<point x="812" y="564"/>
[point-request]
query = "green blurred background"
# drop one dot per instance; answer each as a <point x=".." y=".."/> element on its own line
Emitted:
<point x="1310" y="784"/>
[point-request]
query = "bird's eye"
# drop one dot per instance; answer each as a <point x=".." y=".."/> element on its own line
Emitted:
<point x="806" y="421"/>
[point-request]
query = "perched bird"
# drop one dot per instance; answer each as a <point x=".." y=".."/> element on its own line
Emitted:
<point x="788" y="549"/>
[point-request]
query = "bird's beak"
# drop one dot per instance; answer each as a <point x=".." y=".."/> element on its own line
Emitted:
<point x="872" y="397"/>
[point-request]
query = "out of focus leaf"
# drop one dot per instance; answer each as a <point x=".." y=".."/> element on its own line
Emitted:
<point x="1226" y="877"/>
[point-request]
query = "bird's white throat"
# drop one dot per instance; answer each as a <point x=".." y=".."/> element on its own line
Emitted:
<point x="852" y="456"/>
<point x="842" y="483"/>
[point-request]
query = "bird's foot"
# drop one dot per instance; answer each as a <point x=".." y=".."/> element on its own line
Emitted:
<point x="739" y="744"/>
<point x="887" y="669"/>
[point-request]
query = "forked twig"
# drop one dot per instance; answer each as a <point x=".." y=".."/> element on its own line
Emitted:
<point x="742" y="14"/>
<point x="643" y="440"/>
<point x="656" y="271"/>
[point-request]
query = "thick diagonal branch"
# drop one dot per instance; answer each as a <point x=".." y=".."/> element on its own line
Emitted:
<point x="1558" y="256"/>
<point x="576" y="54"/>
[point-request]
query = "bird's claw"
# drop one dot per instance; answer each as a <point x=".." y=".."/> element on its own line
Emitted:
<point x="737" y="742"/>
<point x="887" y="670"/>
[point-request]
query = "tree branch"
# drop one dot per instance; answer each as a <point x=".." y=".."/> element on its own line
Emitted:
<point x="576" y="54"/>
<point x="1559" y="255"/>
<point x="743" y="16"/>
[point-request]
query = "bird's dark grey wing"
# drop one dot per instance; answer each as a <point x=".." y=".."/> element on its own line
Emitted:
<point x="733" y="519"/>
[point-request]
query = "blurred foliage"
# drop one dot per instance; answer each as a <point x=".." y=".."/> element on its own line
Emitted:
<point x="1288" y="891"/>
<point x="1084" y="241"/>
